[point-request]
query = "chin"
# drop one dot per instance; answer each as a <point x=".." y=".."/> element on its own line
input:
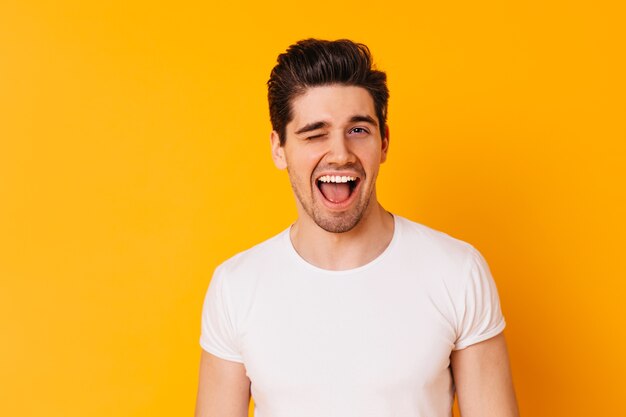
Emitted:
<point x="340" y="222"/>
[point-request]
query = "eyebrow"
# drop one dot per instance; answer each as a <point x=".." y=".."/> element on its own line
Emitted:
<point x="311" y="126"/>
<point x="363" y="118"/>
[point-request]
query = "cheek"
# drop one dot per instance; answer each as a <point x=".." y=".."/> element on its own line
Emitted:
<point x="371" y="158"/>
<point x="306" y="162"/>
<point x="300" y="168"/>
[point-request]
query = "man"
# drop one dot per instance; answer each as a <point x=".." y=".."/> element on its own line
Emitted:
<point x="352" y="311"/>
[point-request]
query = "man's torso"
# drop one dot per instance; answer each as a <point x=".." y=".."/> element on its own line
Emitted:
<point x="374" y="340"/>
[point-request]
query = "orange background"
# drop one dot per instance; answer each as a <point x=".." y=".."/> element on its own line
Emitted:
<point x="134" y="158"/>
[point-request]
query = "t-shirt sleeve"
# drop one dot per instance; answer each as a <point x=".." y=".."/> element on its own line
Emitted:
<point x="218" y="334"/>
<point x="479" y="315"/>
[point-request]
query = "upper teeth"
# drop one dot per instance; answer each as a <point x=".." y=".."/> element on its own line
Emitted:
<point x="336" y="178"/>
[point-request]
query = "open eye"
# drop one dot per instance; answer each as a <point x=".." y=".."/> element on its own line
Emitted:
<point x="359" y="131"/>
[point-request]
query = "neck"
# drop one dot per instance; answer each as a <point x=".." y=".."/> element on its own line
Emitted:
<point x="348" y="250"/>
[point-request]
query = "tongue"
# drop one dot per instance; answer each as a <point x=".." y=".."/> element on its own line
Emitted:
<point x="335" y="192"/>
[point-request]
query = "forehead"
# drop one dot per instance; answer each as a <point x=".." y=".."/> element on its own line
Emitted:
<point x="334" y="104"/>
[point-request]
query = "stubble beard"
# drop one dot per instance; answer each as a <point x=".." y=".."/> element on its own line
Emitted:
<point x="330" y="222"/>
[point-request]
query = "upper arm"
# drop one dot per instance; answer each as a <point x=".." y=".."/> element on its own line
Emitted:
<point x="482" y="377"/>
<point x="223" y="388"/>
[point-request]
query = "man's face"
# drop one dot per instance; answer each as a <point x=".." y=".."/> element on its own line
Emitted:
<point x="332" y="152"/>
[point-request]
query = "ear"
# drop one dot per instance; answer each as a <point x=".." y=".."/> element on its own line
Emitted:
<point x="278" y="151"/>
<point x="384" y="145"/>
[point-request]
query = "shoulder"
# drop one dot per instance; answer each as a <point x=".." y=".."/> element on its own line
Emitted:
<point x="441" y="260"/>
<point x="250" y="262"/>
<point x="436" y="245"/>
<point x="454" y="271"/>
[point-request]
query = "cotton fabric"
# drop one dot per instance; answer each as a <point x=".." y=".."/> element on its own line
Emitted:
<point x="370" y="341"/>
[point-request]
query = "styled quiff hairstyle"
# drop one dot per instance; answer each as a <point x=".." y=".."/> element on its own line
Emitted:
<point x="314" y="62"/>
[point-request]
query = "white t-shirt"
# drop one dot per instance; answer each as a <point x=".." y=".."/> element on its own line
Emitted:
<point x="370" y="341"/>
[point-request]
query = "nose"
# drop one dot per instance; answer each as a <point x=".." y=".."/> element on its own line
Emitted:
<point x="339" y="152"/>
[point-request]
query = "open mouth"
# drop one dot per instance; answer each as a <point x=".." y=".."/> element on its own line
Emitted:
<point x="337" y="188"/>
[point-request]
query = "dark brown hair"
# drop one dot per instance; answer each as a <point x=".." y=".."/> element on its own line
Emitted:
<point x="314" y="62"/>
